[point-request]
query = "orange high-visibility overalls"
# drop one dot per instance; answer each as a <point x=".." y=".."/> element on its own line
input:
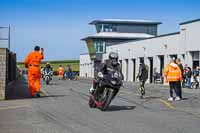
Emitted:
<point x="60" y="71"/>
<point x="33" y="61"/>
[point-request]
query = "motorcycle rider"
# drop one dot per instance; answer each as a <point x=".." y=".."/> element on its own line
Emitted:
<point x="47" y="68"/>
<point x="104" y="68"/>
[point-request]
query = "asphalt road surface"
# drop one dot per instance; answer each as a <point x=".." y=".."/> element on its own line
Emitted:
<point x="63" y="108"/>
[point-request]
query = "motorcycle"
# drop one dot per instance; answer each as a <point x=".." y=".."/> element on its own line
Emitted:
<point x="47" y="76"/>
<point x="106" y="89"/>
<point x="70" y="76"/>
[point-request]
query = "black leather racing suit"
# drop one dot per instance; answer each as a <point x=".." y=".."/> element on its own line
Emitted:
<point x="104" y="68"/>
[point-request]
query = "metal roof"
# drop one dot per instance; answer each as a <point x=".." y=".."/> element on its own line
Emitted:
<point x="124" y="21"/>
<point x="191" y="21"/>
<point x="116" y="35"/>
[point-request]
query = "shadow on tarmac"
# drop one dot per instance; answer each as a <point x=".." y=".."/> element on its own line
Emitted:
<point x="53" y="96"/>
<point x="120" y="108"/>
<point x="18" y="90"/>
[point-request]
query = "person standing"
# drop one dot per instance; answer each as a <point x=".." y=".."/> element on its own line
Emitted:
<point x="143" y="76"/>
<point x="188" y="77"/>
<point x="32" y="62"/>
<point x="179" y="87"/>
<point x="69" y="72"/>
<point x="60" y="72"/>
<point x="173" y="75"/>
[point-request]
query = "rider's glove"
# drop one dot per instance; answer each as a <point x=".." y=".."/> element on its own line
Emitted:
<point x="100" y="74"/>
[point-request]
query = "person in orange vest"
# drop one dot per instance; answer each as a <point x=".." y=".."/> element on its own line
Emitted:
<point x="60" y="72"/>
<point x="173" y="75"/>
<point x="32" y="62"/>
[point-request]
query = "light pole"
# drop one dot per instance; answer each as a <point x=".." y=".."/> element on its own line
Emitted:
<point x="8" y="39"/>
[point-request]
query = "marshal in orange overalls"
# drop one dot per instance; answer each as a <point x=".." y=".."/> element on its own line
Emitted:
<point x="60" y="72"/>
<point x="32" y="62"/>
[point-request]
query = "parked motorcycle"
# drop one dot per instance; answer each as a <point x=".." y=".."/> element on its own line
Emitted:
<point x="106" y="90"/>
<point x="70" y="76"/>
<point x="47" y="76"/>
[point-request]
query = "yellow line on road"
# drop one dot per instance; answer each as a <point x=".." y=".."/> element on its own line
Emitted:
<point x="14" y="107"/>
<point x="167" y="104"/>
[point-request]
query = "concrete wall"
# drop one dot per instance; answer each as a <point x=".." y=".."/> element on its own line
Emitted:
<point x="190" y="36"/>
<point x="3" y="71"/>
<point x="148" y="47"/>
<point x="7" y="70"/>
<point x="86" y="66"/>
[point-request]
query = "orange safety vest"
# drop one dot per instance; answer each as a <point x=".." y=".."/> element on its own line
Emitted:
<point x="60" y="70"/>
<point x="172" y="72"/>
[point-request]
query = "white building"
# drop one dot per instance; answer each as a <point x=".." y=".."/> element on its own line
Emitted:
<point x="155" y="51"/>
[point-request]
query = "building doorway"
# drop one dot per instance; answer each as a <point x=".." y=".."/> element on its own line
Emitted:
<point x="150" y="69"/>
<point x="173" y="56"/>
<point x="195" y="59"/>
<point x="133" y="61"/>
<point x="142" y="60"/>
<point x="126" y="74"/>
<point x="162" y="64"/>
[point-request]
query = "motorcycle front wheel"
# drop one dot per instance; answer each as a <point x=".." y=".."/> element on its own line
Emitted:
<point x="109" y="97"/>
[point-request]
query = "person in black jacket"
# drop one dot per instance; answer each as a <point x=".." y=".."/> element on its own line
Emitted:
<point x="48" y="67"/>
<point x="188" y="77"/>
<point x="142" y="76"/>
<point x="179" y="83"/>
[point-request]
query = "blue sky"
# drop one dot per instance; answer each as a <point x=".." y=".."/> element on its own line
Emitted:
<point x="58" y="25"/>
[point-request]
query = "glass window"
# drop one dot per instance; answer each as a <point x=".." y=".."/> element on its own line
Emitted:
<point x="100" y="47"/>
<point x="109" y="28"/>
<point x="114" y="28"/>
<point x="97" y="47"/>
<point x="99" y="28"/>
